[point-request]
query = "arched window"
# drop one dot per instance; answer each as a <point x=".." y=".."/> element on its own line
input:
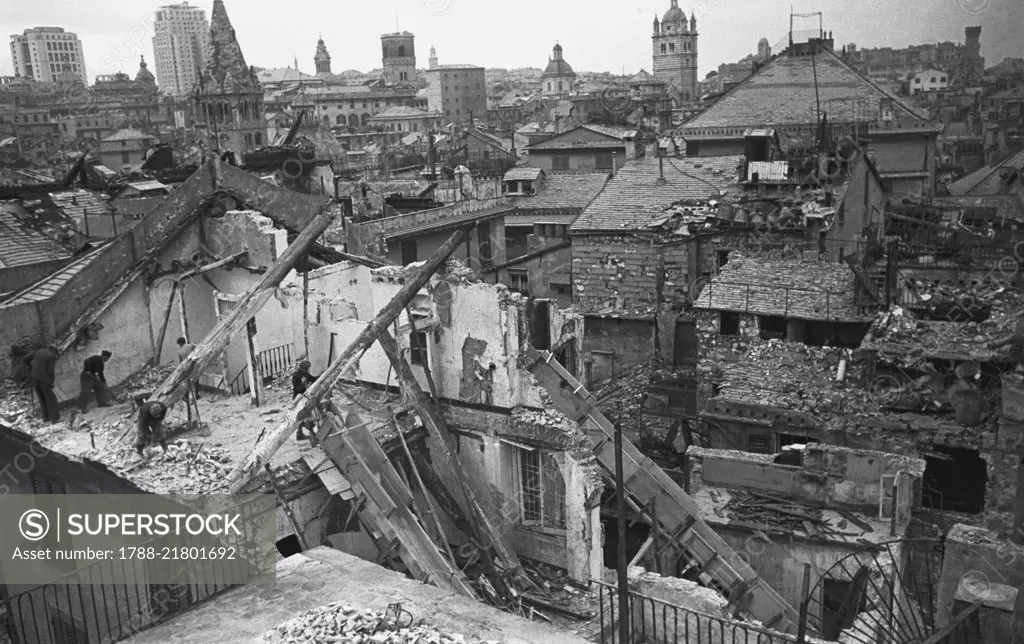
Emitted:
<point x="401" y="50"/>
<point x="340" y="120"/>
<point x="549" y="86"/>
<point x="353" y="120"/>
<point x="672" y="47"/>
<point x="664" y="48"/>
<point x="365" y="119"/>
<point x="559" y="85"/>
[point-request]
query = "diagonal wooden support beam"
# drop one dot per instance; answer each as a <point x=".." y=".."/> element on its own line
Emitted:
<point x="173" y="389"/>
<point x="273" y="441"/>
<point x="486" y="536"/>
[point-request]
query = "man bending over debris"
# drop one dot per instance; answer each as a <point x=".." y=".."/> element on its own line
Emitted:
<point x="301" y="380"/>
<point x="93" y="379"/>
<point x="151" y="426"/>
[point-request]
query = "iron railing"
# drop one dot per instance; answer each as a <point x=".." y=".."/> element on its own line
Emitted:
<point x="87" y="607"/>
<point x="653" y="621"/>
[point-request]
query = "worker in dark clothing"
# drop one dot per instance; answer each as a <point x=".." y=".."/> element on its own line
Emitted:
<point x="301" y="380"/>
<point x="151" y="426"/>
<point x="93" y="379"/>
<point x="43" y="364"/>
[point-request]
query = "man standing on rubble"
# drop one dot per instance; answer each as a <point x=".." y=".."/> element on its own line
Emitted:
<point x="151" y="426"/>
<point x="93" y="379"/>
<point x="44" y="363"/>
<point x="301" y="380"/>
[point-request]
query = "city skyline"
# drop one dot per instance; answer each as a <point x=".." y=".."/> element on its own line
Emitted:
<point x="116" y="34"/>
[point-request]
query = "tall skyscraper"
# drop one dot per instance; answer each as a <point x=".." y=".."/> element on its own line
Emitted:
<point x="47" y="54"/>
<point x="180" y="34"/>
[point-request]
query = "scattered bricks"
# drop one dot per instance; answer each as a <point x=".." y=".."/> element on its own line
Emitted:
<point x="337" y="622"/>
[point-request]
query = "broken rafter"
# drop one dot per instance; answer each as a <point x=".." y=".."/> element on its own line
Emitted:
<point x="345" y="361"/>
<point x="199" y="270"/>
<point x="123" y="283"/>
<point x="173" y="389"/>
<point x="527" y="257"/>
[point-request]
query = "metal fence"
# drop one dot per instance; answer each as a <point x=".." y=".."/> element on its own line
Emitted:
<point x="87" y="607"/>
<point x="653" y="621"/>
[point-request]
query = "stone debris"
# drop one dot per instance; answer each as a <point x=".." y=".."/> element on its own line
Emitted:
<point x="337" y="622"/>
<point x="187" y="467"/>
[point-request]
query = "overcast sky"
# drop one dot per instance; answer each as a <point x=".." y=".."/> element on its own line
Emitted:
<point x="596" y="35"/>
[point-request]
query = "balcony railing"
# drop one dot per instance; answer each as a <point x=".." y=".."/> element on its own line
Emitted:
<point x="654" y="621"/>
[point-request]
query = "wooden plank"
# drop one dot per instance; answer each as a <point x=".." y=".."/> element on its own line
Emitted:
<point x="645" y="481"/>
<point x="324" y="469"/>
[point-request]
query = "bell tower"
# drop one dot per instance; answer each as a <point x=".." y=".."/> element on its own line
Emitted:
<point x="674" y="50"/>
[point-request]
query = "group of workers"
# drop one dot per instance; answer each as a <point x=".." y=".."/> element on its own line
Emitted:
<point x="150" y="430"/>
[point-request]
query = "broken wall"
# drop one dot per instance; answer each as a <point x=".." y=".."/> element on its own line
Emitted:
<point x="836" y="476"/>
<point x="473" y="342"/>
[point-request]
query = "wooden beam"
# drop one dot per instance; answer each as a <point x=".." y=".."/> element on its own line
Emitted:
<point x="527" y="257"/>
<point x="104" y="301"/>
<point x="173" y="389"/>
<point x="205" y="268"/>
<point x="163" y="327"/>
<point x="182" y="313"/>
<point x="252" y="364"/>
<point x="345" y="361"/>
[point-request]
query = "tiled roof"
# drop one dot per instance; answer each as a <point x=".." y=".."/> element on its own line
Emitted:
<point x="807" y="290"/>
<point x="21" y="244"/>
<point x="75" y="203"/>
<point x="523" y="174"/>
<point x="497" y="142"/>
<point x="784" y="92"/>
<point x="583" y="136"/>
<point x="47" y="287"/>
<point x="985" y="180"/>
<point x="634" y="197"/>
<point x="560" y="192"/>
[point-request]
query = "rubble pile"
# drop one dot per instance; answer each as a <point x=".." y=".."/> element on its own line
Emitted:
<point x="18" y="407"/>
<point x="337" y="622"/>
<point x="759" y="510"/>
<point x="148" y="379"/>
<point x="798" y="377"/>
<point x="186" y="468"/>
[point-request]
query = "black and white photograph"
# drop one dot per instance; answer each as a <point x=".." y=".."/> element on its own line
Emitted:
<point x="453" y="322"/>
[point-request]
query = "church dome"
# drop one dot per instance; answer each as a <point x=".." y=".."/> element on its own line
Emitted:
<point x="674" y="14"/>
<point x="144" y="75"/>
<point x="763" y="42"/>
<point x="557" y="65"/>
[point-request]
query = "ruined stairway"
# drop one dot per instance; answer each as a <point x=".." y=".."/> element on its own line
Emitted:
<point x="678" y="515"/>
<point x="383" y="501"/>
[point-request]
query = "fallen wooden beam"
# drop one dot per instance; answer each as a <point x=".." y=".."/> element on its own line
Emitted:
<point x="205" y="268"/>
<point x="117" y="289"/>
<point x="173" y="389"/>
<point x="487" y="538"/>
<point x="529" y="256"/>
<point x="345" y="361"/>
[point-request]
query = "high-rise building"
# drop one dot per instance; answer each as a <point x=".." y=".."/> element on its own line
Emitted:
<point x="230" y="95"/>
<point x="180" y="33"/>
<point x="48" y="54"/>
<point x="675" y="53"/>
<point x="399" y="58"/>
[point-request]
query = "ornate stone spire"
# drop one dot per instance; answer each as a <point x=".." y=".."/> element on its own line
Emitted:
<point x="226" y="71"/>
